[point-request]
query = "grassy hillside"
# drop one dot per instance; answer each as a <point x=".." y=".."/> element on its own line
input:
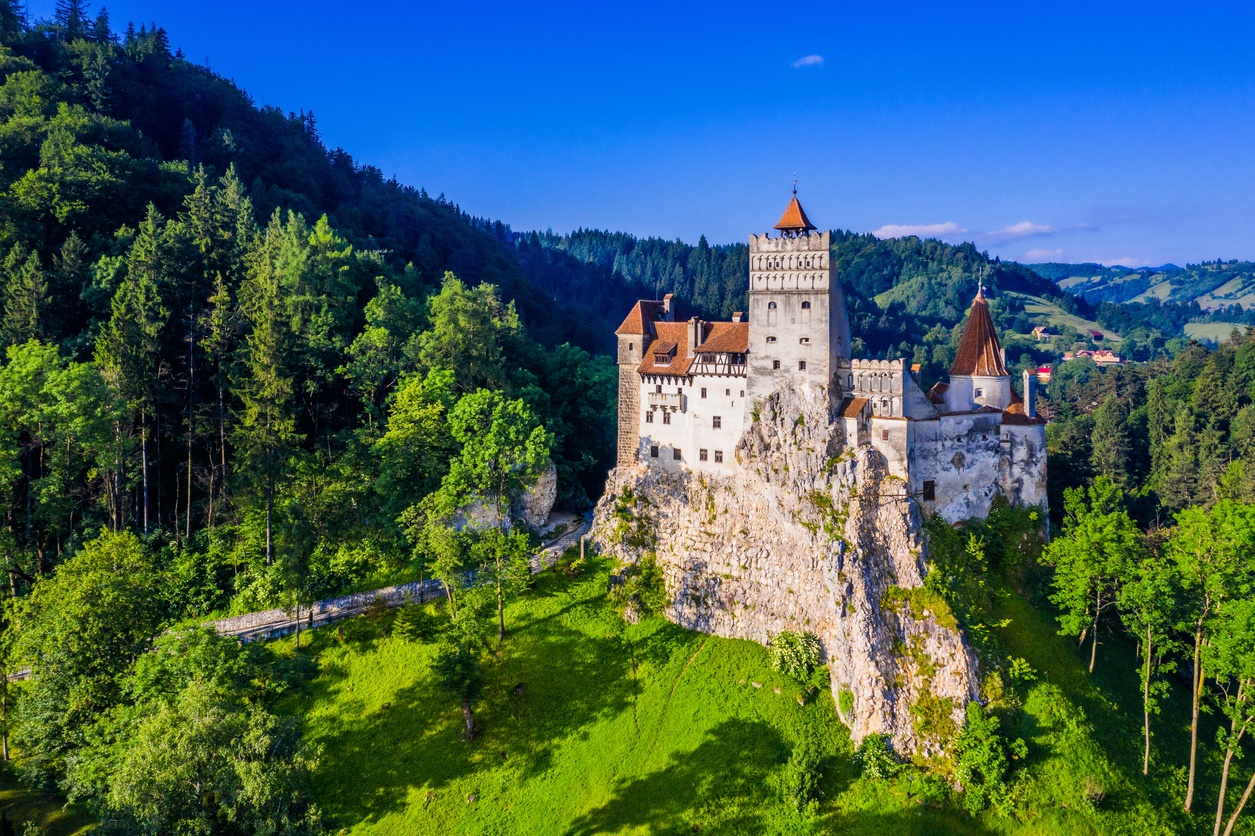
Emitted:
<point x="653" y="729"/>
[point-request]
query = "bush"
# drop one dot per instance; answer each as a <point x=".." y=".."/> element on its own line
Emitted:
<point x="413" y="623"/>
<point x="795" y="654"/>
<point x="874" y="757"/>
<point x="802" y="774"/>
<point x="983" y="761"/>
<point x="641" y="589"/>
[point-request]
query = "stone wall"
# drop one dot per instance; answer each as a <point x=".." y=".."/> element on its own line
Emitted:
<point x="631" y="349"/>
<point x="807" y="536"/>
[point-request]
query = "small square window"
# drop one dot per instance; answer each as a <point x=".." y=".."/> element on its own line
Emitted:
<point x="806" y="306"/>
<point x="666" y="417"/>
<point x="801" y="365"/>
<point x="804" y="341"/>
<point x="703" y="391"/>
<point x="675" y="454"/>
<point x="742" y="393"/>
<point x="775" y="364"/>
<point x="658" y="388"/>
<point x="718" y="457"/>
<point x="717" y="422"/>
<point x="701" y="454"/>
<point x="631" y="346"/>
<point x="727" y="393"/>
<point x="649" y="417"/>
<point x="977" y="393"/>
<point x="771" y="339"/>
<point x="930" y="490"/>
<point x="653" y="452"/>
<point x="679" y="390"/>
<point x="884" y="435"/>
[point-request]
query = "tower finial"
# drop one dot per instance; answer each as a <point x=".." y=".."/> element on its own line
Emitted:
<point x="795" y="184"/>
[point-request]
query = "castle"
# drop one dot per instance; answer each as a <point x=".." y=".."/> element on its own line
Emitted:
<point x="688" y="389"/>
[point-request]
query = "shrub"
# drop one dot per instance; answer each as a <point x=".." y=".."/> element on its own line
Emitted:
<point x="874" y="757"/>
<point x="802" y="774"/>
<point x="984" y="761"/>
<point x="641" y="589"/>
<point x="413" y="623"/>
<point x="795" y="654"/>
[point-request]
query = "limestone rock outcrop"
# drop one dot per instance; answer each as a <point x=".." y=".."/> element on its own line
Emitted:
<point x="807" y="536"/>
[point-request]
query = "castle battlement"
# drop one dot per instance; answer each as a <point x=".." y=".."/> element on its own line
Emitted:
<point x="687" y="389"/>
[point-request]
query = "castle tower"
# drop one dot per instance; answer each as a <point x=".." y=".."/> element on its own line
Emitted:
<point x="979" y="376"/>
<point x="799" y="330"/>
<point x="634" y="337"/>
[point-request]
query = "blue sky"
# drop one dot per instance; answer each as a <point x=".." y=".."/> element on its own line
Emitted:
<point x="1114" y="132"/>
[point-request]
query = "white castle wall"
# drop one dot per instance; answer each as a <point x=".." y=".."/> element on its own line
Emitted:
<point x="692" y="425"/>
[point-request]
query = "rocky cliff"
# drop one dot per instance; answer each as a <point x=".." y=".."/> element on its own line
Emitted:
<point x="808" y="536"/>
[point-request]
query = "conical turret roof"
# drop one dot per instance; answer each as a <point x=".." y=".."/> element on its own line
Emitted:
<point x="979" y="351"/>
<point x="794" y="218"/>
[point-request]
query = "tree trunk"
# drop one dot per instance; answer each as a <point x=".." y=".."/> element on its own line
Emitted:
<point x="1250" y="785"/>
<point x="500" y="611"/>
<point x="270" y="507"/>
<point x="298" y="625"/>
<point x="1093" y="650"/>
<point x="1146" y="705"/>
<point x="1195" y="696"/>
<point x="1235" y="740"/>
<point x="143" y="454"/>
<point x="470" y="719"/>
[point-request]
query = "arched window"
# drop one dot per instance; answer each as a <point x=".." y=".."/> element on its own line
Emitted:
<point x="806" y="306"/>
<point x="771" y="305"/>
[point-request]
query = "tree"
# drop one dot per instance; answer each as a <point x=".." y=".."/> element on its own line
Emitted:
<point x="1209" y="549"/>
<point x="983" y="760"/>
<point x="473" y="333"/>
<point x="1147" y="602"/>
<point x="504" y="451"/>
<point x="25" y="297"/>
<point x="458" y="665"/>
<point x="1099" y="542"/>
<point x="1112" y="446"/>
<point x="266" y="428"/>
<point x="80" y="630"/>
<point x="1232" y="653"/>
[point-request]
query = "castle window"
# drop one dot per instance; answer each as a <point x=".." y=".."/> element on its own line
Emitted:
<point x="666" y="417"/>
<point x="804" y="341"/>
<point x="775" y="365"/>
<point x="771" y="339"/>
<point x="649" y="417"/>
<point x="679" y="390"/>
<point x="884" y="435"/>
<point x="675" y="454"/>
<point x="806" y="306"/>
<point x="718" y="457"/>
<point x="703" y="391"/>
<point x="930" y="490"/>
<point x="801" y="365"/>
<point x="631" y="346"/>
<point x="977" y="393"/>
<point x="771" y="306"/>
<point x="717" y="422"/>
<point x="701" y="454"/>
<point x="653" y="452"/>
<point x="658" y="388"/>
<point x="727" y="393"/>
<point x="742" y="393"/>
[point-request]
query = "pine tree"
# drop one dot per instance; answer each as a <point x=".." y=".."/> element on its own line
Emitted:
<point x="71" y="19"/>
<point x="267" y="428"/>
<point x="1111" y="443"/>
<point x="25" y="297"/>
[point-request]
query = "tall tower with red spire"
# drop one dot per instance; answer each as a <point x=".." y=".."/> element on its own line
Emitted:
<point x="979" y="374"/>
<point x="799" y="329"/>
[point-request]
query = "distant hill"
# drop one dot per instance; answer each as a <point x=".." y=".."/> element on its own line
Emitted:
<point x="1214" y="285"/>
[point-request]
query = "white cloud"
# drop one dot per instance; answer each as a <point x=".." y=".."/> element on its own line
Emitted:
<point x="809" y="61"/>
<point x="1024" y="229"/>
<point x="922" y="230"/>
<point x="1043" y="255"/>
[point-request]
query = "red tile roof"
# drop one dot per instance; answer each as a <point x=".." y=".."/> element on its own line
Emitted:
<point x="853" y="407"/>
<point x="979" y="351"/>
<point x="642" y="315"/>
<point x="670" y="332"/>
<point x="794" y="218"/>
<point x="937" y="394"/>
<point x="726" y="338"/>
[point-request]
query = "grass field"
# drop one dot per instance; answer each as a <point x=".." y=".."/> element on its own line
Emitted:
<point x="1213" y="332"/>
<point x="653" y="729"/>
<point x="20" y="805"/>
<point x="1048" y="313"/>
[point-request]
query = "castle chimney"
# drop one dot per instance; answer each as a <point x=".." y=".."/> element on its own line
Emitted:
<point x="695" y="331"/>
<point x="736" y="316"/>
<point x="1030" y="394"/>
<point x="668" y="308"/>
